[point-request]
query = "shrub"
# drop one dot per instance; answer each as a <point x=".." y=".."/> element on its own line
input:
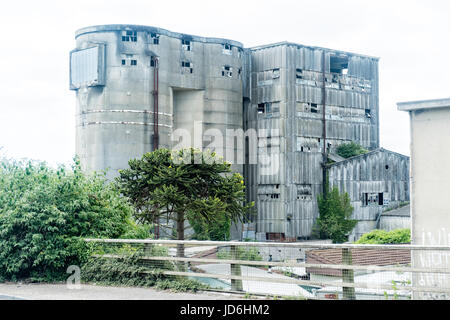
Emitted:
<point x="129" y="270"/>
<point x="386" y="237"/>
<point x="334" y="220"/>
<point x="351" y="149"/>
<point x="247" y="254"/>
<point x="207" y="230"/>
<point x="45" y="213"/>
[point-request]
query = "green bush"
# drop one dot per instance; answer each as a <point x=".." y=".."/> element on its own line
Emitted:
<point x="129" y="270"/>
<point x="218" y="230"/>
<point x="351" y="149"/>
<point x="386" y="237"/>
<point x="247" y="254"/>
<point x="44" y="213"/>
<point x="334" y="221"/>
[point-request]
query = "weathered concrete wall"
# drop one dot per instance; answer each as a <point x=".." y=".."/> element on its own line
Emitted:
<point x="430" y="183"/>
<point x="115" y="121"/>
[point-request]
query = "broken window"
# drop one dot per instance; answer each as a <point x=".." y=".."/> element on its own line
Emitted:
<point x="227" y="71"/>
<point x="339" y="64"/>
<point x="186" y="44"/>
<point x="380" y="199"/>
<point x="261" y="108"/>
<point x="276" y="73"/>
<point x="372" y="198"/>
<point x="226" y="49"/>
<point x="187" y="66"/>
<point x="155" y="38"/>
<point x="268" y="107"/>
<point x="127" y="60"/>
<point x="299" y="73"/>
<point x="129" y="36"/>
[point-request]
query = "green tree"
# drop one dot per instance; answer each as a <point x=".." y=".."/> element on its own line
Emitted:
<point x="183" y="185"/>
<point x="334" y="220"/>
<point x="217" y="231"/>
<point x="351" y="149"/>
<point x="44" y="212"/>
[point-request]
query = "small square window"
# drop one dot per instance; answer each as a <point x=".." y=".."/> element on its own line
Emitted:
<point x="133" y="62"/>
<point x="155" y="38"/>
<point x="124" y="62"/>
<point x="186" y="44"/>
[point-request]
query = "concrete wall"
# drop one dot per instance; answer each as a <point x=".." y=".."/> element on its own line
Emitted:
<point x="430" y="183"/>
<point x="115" y="121"/>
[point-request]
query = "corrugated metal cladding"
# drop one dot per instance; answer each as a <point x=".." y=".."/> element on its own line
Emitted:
<point x="293" y="76"/>
<point x="375" y="181"/>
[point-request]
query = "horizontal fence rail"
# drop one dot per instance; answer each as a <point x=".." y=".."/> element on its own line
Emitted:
<point x="306" y="270"/>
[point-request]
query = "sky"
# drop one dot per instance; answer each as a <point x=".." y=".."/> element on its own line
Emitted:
<point x="37" y="109"/>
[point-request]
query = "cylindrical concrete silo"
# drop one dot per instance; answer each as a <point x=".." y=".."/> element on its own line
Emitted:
<point x="124" y="75"/>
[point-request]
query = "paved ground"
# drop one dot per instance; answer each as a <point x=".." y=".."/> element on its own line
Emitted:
<point x="13" y="291"/>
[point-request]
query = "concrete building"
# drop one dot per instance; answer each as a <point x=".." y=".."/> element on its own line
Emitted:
<point x="138" y="87"/>
<point x="430" y="183"/>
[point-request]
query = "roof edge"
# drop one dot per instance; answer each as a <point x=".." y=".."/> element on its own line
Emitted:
<point x="366" y="154"/>
<point x="423" y="104"/>
<point x="142" y="28"/>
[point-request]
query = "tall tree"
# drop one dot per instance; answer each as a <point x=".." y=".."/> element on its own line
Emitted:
<point x="181" y="186"/>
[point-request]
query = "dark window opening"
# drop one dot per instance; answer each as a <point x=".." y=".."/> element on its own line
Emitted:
<point x="387" y="167"/>
<point x="314" y="108"/>
<point x="186" y="44"/>
<point x="152" y="62"/>
<point x="155" y="38"/>
<point x="298" y="73"/>
<point x="227" y="46"/>
<point x="124" y="62"/>
<point x="186" y="64"/>
<point x="380" y="198"/>
<point x="133" y="62"/>
<point x="339" y="64"/>
<point x="261" y="108"/>
<point x="367" y="113"/>
<point x="129" y="36"/>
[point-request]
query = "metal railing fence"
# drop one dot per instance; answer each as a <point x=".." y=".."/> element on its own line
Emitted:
<point x="304" y="270"/>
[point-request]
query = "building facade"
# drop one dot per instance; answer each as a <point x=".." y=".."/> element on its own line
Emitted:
<point x="139" y="88"/>
<point x="430" y="182"/>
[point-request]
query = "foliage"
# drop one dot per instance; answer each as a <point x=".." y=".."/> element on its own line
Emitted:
<point x="45" y="211"/>
<point x="217" y="231"/>
<point x="184" y="185"/>
<point x="128" y="270"/>
<point x="386" y="237"/>
<point x="246" y="254"/>
<point x="350" y="149"/>
<point x="334" y="220"/>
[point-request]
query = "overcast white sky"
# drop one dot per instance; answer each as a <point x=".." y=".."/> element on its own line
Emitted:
<point x="37" y="108"/>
